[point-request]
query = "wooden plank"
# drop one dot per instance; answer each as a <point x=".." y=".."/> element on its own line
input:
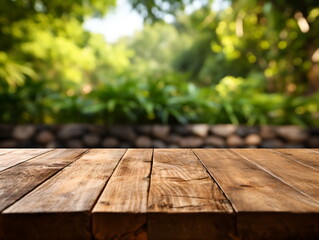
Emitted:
<point x="18" y="156"/>
<point x="184" y="202"/>
<point x="17" y="181"/>
<point x="61" y="205"/>
<point x="303" y="178"/>
<point x="266" y="207"/>
<point x="6" y="150"/>
<point x="304" y="156"/>
<point x="120" y="212"/>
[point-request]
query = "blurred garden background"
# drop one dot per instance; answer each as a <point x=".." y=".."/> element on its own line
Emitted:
<point x="224" y="61"/>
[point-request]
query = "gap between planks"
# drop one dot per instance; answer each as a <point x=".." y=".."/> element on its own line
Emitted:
<point x="162" y="217"/>
<point x="184" y="201"/>
<point x="261" y="200"/>
<point x="213" y="178"/>
<point x="121" y="208"/>
<point x="107" y="181"/>
<point x="300" y="177"/>
<point x="26" y="176"/>
<point x="58" y="204"/>
<point x="305" y="157"/>
<point x="14" y="158"/>
<point x="116" y="215"/>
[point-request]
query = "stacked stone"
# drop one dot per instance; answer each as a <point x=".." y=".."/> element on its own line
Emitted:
<point x="157" y="136"/>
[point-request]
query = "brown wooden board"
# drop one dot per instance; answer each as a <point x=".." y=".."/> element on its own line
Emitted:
<point x="120" y="212"/>
<point x="184" y="202"/>
<point x="162" y="194"/>
<point x="298" y="176"/>
<point x="307" y="157"/>
<point x="19" y="180"/>
<point x="266" y="207"/>
<point x="6" y="150"/>
<point x="10" y="159"/>
<point x="60" y="207"/>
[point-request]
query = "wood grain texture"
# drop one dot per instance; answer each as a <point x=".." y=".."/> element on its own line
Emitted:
<point x="266" y="207"/>
<point x="17" y="181"/>
<point x="62" y="204"/>
<point x="184" y="202"/>
<point x="307" y="157"/>
<point x="120" y="212"/>
<point x="10" y="159"/>
<point x="6" y="150"/>
<point x="299" y="176"/>
<point x="200" y="194"/>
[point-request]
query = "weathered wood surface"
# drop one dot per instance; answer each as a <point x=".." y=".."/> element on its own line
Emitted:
<point x="11" y="158"/>
<point x="17" y="181"/>
<point x="184" y="202"/>
<point x="60" y="207"/>
<point x="267" y="207"/>
<point x="302" y="178"/>
<point x="159" y="194"/>
<point x="308" y="157"/>
<point x="120" y="211"/>
<point x="7" y="150"/>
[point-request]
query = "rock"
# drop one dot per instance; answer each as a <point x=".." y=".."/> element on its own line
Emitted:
<point x="272" y="143"/>
<point x="94" y="129"/>
<point x="125" y="145"/>
<point x="110" y="142"/>
<point x="144" y="129"/>
<point x="74" y="143"/>
<point x="186" y="142"/>
<point x="314" y="131"/>
<point x="52" y="145"/>
<point x="143" y="142"/>
<point x="267" y="132"/>
<point x="182" y="130"/>
<point x="173" y="146"/>
<point x="292" y="133"/>
<point x="73" y="130"/>
<point x="23" y="132"/>
<point x="123" y="132"/>
<point x="10" y="143"/>
<point x="5" y="131"/>
<point x="98" y="130"/>
<point x="223" y="130"/>
<point x="27" y="144"/>
<point x="253" y="140"/>
<point x="200" y="130"/>
<point x="91" y="140"/>
<point x="243" y="131"/>
<point x="160" y="131"/>
<point x="173" y="138"/>
<point x="294" y="145"/>
<point x="235" y="141"/>
<point x="251" y="146"/>
<point x="215" y="141"/>
<point x="158" y="144"/>
<point x="45" y="137"/>
<point x="313" y="142"/>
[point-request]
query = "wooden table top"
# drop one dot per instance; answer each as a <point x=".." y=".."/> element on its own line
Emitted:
<point x="173" y="194"/>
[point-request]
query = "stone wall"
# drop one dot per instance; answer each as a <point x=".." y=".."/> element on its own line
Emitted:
<point x="158" y="136"/>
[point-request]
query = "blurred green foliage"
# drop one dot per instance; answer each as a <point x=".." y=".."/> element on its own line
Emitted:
<point x="251" y="63"/>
